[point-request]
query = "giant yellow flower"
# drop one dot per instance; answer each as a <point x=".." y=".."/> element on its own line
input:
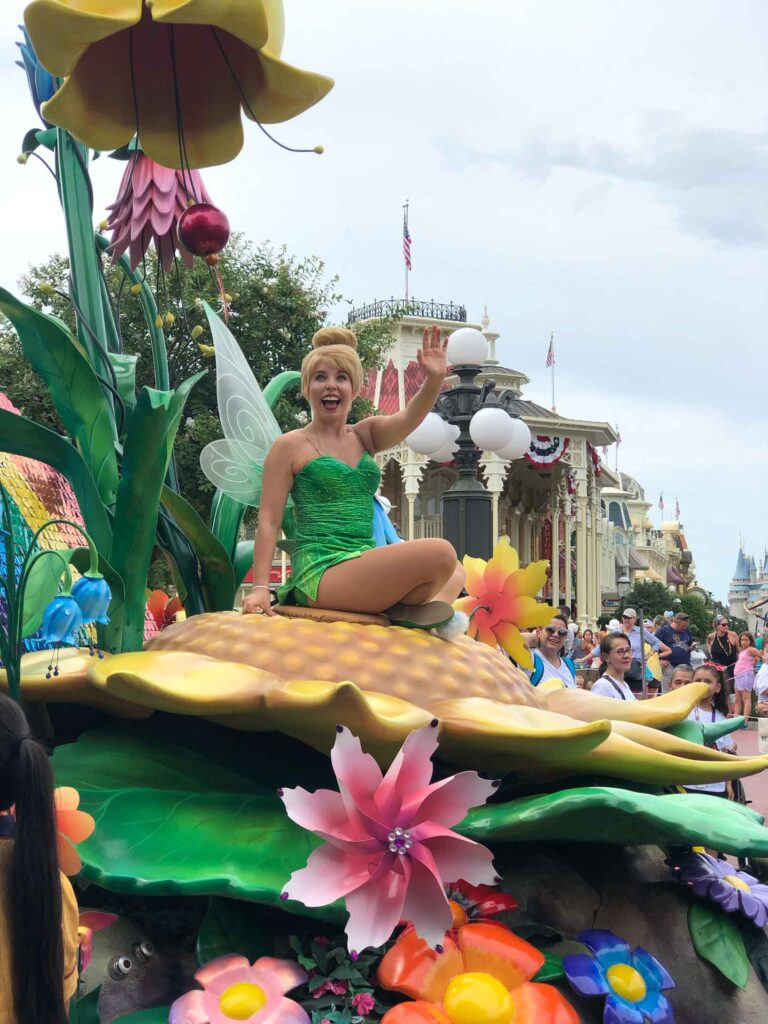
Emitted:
<point x="502" y="600"/>
<point x="143" y="65"/>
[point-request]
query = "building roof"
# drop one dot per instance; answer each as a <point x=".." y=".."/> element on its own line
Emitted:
<point x="741" y="572"/>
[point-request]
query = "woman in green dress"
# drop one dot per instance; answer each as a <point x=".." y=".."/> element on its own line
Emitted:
<point x="328" y="469"/>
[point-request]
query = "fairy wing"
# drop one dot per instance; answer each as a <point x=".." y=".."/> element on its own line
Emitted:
<point x="234" y="464"/>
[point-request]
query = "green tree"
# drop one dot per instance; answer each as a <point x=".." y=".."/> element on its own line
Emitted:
<point x="653" y="598"/>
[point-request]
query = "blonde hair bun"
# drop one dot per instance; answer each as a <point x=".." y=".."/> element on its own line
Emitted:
<point x="334" y="336"/>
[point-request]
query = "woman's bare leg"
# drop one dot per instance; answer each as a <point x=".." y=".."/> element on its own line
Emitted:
<point x="453" y="587"/>
<point x="410" y="573"/>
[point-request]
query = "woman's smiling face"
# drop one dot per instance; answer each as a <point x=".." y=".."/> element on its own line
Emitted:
<point x="330" y="392"/>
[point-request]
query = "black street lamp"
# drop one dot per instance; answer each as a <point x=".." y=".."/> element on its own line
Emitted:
<point x="478" y="422"/>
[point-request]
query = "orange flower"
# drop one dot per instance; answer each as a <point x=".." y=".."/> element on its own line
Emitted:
<point x="502" y="600"/>
<point x="72" y="826"/>
<point x="483" y="977"/>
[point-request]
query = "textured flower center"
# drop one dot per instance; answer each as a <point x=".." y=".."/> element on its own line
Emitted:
<point x="400" y="841"/>
<point x="478" y="998"/>
<point x="736" y="882"/>
<point x="241" y="1001"/>
<point x="626" y="982"/>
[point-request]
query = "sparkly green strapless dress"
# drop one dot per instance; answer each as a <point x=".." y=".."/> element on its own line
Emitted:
<point x="333" y="508"/>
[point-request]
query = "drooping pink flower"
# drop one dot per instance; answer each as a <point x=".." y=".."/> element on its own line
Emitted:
<point x="389" y="849"/>
<point x="363" y="1003"/>
<point x="148" y="206"/>
<point x="234" y="989"/>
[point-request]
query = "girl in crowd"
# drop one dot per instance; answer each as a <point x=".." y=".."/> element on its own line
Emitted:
<point x="723" y="647"/>
<point x="616" y="659"/>
<point x="550" y="660"/>
<point x="713" y="708"/>
<point x="328" y="469"/>
<point x="744" y="675"/>
<point x="38" y="911"/>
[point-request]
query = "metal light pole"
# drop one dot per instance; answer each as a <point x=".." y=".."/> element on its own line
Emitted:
<point x="467" y="505"/>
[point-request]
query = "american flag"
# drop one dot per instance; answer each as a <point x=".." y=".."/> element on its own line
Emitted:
<point x="661" y="501"/>
<point x="406" y="241"/>
<point x="551" y="350"/>
<point x="677" y="508"/>
<point x="618" y="437"/>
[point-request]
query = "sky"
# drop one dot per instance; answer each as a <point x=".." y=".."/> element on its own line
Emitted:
<point x="593" y="168"/>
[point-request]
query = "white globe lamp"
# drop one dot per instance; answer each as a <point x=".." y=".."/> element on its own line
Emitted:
<point x="429" y="436"/>
<point x="446" y="453"/>
<point x="491" y="428"/>
<point x="466" y="347"/>
<point x="519" y="442"/>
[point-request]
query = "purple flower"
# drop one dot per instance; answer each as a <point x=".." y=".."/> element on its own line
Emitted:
<point x="632" y="982"/>
<point x="721" y="882"/>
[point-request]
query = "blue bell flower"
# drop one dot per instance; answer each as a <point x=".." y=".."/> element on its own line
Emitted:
<point x="42" y="84"/>
<point x="61" y="621"/>
<point x="93" y="595"/>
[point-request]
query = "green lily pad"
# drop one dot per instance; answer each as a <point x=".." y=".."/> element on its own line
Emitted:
<point x="157" y="1015"/>
<point x="717" y="939"/>
<point x="182" y="806"/>
<point x="603" y="814"/>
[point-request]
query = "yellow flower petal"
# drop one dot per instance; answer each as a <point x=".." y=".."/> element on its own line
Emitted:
<point x="668" y="709"/>
<point x="61" y="32"/>
<point x="466" y="604"/>
<point x="529" y="580"/>
<point x="503" y="563"/>
<point x="182" y="683"/>
<point x="71" y="684"/>
<point x="485" y="735"/>
<point x="475" y="569"/>
<point x="245" y="19"/>
<point x="657" y="739"/>
<point x="508" y="635"/>
<point x="532" y="613"/>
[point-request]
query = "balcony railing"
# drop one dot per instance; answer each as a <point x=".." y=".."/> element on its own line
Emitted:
<point x="428" y="528"/>
<point x="399" y="307"/>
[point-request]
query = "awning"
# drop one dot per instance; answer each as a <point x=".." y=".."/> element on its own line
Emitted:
<point x="622" y="557"/>
<point x="673" y="576"/>
<point x="649" y="574"/>
<point x="637" y="561"/>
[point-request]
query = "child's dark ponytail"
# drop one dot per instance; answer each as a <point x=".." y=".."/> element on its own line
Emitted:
<point x="35" y="897"/>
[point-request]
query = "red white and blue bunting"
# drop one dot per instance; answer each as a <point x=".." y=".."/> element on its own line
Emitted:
<point x="546" y="451"/>
<point x="595" y="458"/>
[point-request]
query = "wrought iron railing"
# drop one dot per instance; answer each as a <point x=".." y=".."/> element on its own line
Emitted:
<point x="400" y="307"/>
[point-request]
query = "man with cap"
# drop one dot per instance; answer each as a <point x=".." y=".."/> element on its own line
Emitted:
<point x="630" y="628"/>
<point x="680" y="642"/>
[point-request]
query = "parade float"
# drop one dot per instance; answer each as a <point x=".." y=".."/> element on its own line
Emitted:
<point x="312" y="816"/>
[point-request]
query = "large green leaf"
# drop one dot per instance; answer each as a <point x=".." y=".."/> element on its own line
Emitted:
<point x="75" y="389"/>
<point x="231" y="926"/>
<point x="716" y="938"/>
<point x="274" y="390"/>
<point x="217" y="574"/>
<point x="42" y="586"/>
<point x="603" y="814"/>
<point x="182" y="806"/>
<point x="226" y="517"/>
<point x="147" y="451"/>
<point x="21" y="436"/>
<point x="124" y="366"/>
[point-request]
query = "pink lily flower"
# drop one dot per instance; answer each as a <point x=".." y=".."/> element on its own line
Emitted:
<point x="389" y="849"/>
<point x="90" y="921"/>
<point x="148" y="206"/>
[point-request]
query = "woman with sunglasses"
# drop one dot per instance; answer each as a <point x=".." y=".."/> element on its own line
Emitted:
<point x="549" y="661"/>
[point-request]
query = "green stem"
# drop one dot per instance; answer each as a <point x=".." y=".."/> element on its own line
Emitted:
<point x="156" y="335"/>
<point x="77" y="203"/>
<point x="31" y="555"/>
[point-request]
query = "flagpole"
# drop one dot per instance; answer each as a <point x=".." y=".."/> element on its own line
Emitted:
<point x="618" y="442"/>
<point x="551" y="341"/>
<point x="405" y="213"/>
